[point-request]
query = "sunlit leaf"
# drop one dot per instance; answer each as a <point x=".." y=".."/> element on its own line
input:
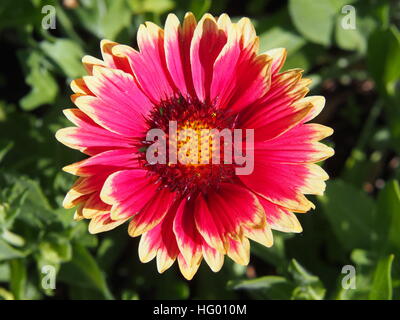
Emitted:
<point x="350" y="212"/>
<point x="43" y="86"/>
<point x="155" y="6"/>
<point x="308" y="14"/>
<point x="384" y="57"/>
<point x="18" y="278"/>
<point x="381" y="288"/>
<point x="105" y="18"/>
<point x="274" y="287"/>
<point x="309" y="286"/>
<point x="387" y="220"/>
<point x="67" y="55"/>
<point x="280" y="38"/>
<point x="7" y="252"/>
<point x="83" y="270"/>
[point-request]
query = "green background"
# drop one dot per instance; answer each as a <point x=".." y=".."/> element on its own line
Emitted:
<point x="357" y="221"/>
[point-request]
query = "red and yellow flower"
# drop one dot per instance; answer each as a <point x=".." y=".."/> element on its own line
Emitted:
<point x="201" y="74"/>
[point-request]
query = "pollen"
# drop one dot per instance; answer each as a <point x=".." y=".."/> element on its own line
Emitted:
<point x="195" y="142"/>
<point x="198" y="143"/>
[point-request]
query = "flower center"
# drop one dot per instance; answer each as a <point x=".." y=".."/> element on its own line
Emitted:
<point x="195" y="147"/>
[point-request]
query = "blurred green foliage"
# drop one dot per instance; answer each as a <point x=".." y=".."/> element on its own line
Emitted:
<point x="357" y="221"/>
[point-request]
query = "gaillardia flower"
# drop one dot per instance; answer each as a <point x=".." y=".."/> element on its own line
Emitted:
<point x="205" y="74"/>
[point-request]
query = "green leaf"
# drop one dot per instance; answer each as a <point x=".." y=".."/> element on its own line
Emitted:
<point x="274" y="255"/>
<point x="18" y="278"/>
<point x="83" y="270"/>
<point x="309" y="287"/>
<point x="33" y="208"/>
<point x="387" y="221"/>
<point x="350" y="212"/>
<point x="43" y="86"/>
<point x="55" y="251"/>
<point x="7" y="252"/>
<point x="23" y="14"/>
<point x="154" y="6"/>
<point x="381" y="288"/>
<point x="12" y="238"/>
<point x="273" y="287"/>
<point x="5" y="146"/>
<point x="297" y="60"/>
<point x="314" y="19"/>
<point x="129" y="295"/>
<point x="278" y="37"/>
<point x="5" y="294"/>
<point x="110" y="249"/>
<point x="33" y="190"/>
<point x="350" y="39"/>
<point x="382" y="11"/>
<point x="116" y="18"/>
<point x="4" y="271"/>
<point x="105" y="18"/>
<point x="67" y="55"/>
<point x="384" y="58"/>
<point x="199" y="7"/>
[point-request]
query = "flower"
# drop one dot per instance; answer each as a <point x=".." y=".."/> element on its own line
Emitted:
<point x="205" y="74"/>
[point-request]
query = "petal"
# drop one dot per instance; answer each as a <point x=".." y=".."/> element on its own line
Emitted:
<point x="120" y="90"/>
<point x="103" y="222"/>
<point x="224" y="79"/>
<point x="177" y="51"/>
<point x="110" y="59"/>
<point x="240" y="77"/>
<point x="166" y="256"/>
<point x="298" y="145"/>
<point x="148" y="246"/>
<point x="225" y="23"/>
<point x="112" y="160"/>
<point x="318" y="103"/>
<point x="79" y="86"/>
<point x="285" y="184"/>
<point x="106" y="52"/>
<point x="78" y="214"/>
<point x="73" y="199"/>
<point x="209" y="226"/>
<point x="262" y="235"/>
<point x="160" y="241"/>
<point x="79" y="118"/>
<point x="281" y="109"/>
<point x="94" y="206"/>
<point x="253" y="80"/>
<point x="232" y="207"/>
<point x="89" y="62"/>
<point x="279" y="123"/>
<point x="91" y="140"/>
<point x="188" y="238"/>
<point x="280" y="218"/>
<point x="127" y="191"/>
<point x="149" y="65"/>
<point x="82" y="188"/>
<point x="168" y="249"/>
<point x="189" y="270"/>
<point x="111" y="117"/>
<point x="239" y="251"/>
<point x="213" y="258"/>
<point x="278" y="56"/>
<point x="208" y="41"/>
<point x="152" y="213"/>
<point x="248" y="34"/>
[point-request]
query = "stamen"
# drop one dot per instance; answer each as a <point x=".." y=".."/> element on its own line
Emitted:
<point x="198" y="174"/>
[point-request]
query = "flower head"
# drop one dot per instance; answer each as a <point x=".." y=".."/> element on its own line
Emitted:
<point x="196" y="75"/>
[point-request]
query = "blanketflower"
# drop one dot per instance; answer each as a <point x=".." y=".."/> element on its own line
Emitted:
<point x="200" y="74"/>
